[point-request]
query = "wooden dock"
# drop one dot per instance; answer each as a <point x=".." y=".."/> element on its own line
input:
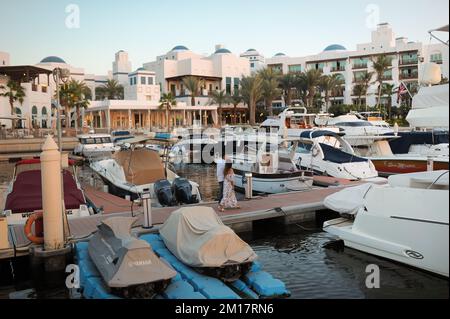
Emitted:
<point x="293" y="207"/>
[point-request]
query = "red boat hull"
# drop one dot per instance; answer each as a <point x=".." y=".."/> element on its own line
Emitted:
<point x="402" y="166"/>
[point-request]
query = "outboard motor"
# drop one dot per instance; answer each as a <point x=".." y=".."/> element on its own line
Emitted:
<point x="182" y="191"/>
<point x="163" y="191"/>
<point x="128" y="265"/>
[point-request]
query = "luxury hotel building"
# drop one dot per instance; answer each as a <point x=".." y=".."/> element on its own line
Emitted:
<point x="407" y="58"/>
<point x="221" y="70"/>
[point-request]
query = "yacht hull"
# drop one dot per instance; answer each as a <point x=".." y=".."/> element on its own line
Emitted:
<point x="390" y="166"/>
<point x="275" y="183"/>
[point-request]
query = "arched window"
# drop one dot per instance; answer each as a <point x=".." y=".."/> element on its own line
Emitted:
<point x="34" y="114"/>
<point x="18" y="112"/>
<point x="44" y="117"/>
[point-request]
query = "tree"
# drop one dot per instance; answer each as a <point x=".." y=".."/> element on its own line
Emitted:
<point x="251" y="90"/>
<point x="270" y="87"/>
<point x="111" y="90"/>
<point x="328" y="84"/>
<point x="365" y="81"/>
<point x="359" y="90"/>
<point x="72" y="95"/>
<point x="287" y="83"/>
<point x="388" y="89"/>
<point x="311" y="79"/>
<point x="381" y="65"/>
<point x="14" y="93"/>
<point x="236" y="98"/>
<point x="220" y="98"/>
<point x="193" y="84"/>
<point x="167" y="102"/>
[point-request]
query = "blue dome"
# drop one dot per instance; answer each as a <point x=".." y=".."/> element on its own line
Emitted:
<point x="180" y="48"/>
<point x="140" y="69"/>
<point x="280" y="54"/>
<point x="52" y="59"/>
<point x="251" y="50"/>
<point x="223" y="50"/>
<point x="335" y="47"/>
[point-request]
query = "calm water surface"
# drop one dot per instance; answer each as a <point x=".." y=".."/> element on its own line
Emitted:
<point x="297" y="257"/>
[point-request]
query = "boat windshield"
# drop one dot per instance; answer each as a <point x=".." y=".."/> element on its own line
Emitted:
<point x="95" y="140"/>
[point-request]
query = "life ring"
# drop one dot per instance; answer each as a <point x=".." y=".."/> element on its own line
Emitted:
<point x="29" y="225"/>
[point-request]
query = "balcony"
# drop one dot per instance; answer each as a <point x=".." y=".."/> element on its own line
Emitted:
<point x="359" y="66"/>
<point x="409" y="76"/>
<point x="337" y="69"/>
<point x="437" y="61"/>
<point x="408" y="61"/>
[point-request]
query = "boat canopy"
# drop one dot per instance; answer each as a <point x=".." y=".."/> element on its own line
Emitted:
<point x="402" y="144"/>
<point x="318" y="133"/>
<point x="26" y="195"/>
<point x="197" y="237"/>
<point x="348" y="200"/>
<point x="335" y="155"/>
<point x="141" y="166"/>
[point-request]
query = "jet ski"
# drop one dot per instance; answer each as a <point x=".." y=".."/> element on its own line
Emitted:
<point x="128" y="265"/>
<point x="198" y="238"/>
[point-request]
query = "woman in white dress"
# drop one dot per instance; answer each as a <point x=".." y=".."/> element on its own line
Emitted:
<point x="229" y="196"/>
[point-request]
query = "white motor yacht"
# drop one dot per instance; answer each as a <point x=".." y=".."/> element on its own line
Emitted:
<point x="405" y="220"/>
<point x="94" y="145"/>
<point x="137" y="170"/>
<point x="328" y="153"/>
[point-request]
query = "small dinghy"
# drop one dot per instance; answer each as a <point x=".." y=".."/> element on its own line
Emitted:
<point x="128" y="265"/>
<point x="198" y="238"/>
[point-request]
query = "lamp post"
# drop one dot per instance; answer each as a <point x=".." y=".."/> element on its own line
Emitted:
<point x="59" y="75"/>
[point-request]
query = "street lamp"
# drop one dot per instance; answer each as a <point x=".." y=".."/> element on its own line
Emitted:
<point x="59" y="75"/>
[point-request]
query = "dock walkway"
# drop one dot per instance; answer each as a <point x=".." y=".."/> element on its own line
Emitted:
<point x="291" y="206"/>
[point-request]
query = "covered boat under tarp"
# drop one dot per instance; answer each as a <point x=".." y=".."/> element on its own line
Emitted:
<point x="197" y="237"/>
<point x="26" y="194"/>
<point x="141" y="166"/>
<point x="349" y="200"/>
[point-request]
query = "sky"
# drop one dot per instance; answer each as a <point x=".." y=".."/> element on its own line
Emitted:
<point x="87" y="33"/>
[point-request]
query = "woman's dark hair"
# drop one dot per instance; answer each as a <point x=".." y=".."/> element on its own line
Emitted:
<point x="228" y="166"/>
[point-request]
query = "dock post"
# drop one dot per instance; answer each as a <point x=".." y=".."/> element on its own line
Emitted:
<point x="52" y="195"/>
<point x="147" y="203"/>
<point x="430" y="164"/>
<point x="4" y="242"/>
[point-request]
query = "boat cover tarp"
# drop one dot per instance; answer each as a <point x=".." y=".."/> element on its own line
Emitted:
<point x="197" y="237"/>
<point x="141" y="166"/>
<point x="348" y="200"/>
<point x="430" y="107"/>
<point x="335" y="155"/>
<point x="403" y="144"/>
<point x="26" y="195"/>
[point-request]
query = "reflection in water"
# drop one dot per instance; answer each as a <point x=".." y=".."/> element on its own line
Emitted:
<point x="298" y="258"/>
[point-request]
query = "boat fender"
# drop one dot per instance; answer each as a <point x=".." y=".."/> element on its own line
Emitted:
<point x="315" y="151"/>
<point x="29" y="226"/>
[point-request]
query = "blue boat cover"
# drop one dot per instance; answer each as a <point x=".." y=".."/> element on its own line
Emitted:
<point x="402" y="145"/>
<point x="335" y="155"/>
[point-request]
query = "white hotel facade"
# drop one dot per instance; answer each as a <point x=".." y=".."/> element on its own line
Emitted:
<point x="221" y="70"/>
<point x="407" y="59"/>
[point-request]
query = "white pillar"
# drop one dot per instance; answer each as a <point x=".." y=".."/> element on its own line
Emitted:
<point x="52" y="195"/>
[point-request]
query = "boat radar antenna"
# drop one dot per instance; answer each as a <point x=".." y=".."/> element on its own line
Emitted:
<point x="441" y="29"/>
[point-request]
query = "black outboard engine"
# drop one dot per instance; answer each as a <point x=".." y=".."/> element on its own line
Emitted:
<point x="182" y="191"/>
<point x="163" y="191"/>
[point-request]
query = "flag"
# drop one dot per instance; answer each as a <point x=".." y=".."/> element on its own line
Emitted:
<point x="402" y="89"/>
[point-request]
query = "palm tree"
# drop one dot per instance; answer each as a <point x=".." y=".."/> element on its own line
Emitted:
<point x="366" y="81"/>
<point x="167" y="102"/>
<point x="111" y="90"/>
<point x="219" y="98"/>
<point x="359" y="90"/>
<point x="270" y="87"/>
<point x="193" y="84"/>
<point x="14" y="93"/>
<point x="301" y="88"/>
<point x="251" y="89"/>
<point x="287" y="83"/>
<point x="73" y="95"/>
<point x="311" y="79"/>
<point x="381" y="65"/>
<point x="328" y="84"/>
<point x="388" y="89"/>
<point x="236" y="98"/>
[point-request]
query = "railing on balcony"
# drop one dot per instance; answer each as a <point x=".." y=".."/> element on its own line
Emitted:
<point x="437" y="61"/>
<point x="407" y="76"/>
<point x="408" y="61"/>
<point x="337" y="69"/>
<point x="360" y="66"/>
